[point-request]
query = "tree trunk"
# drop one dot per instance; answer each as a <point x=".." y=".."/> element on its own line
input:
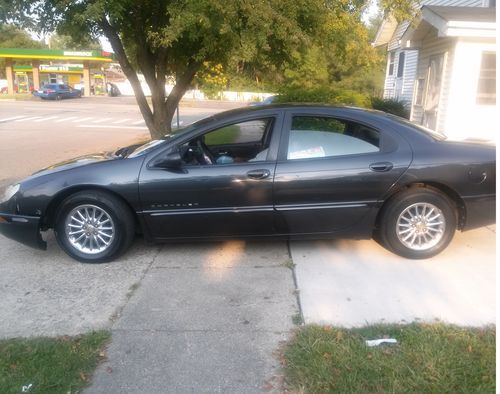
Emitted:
<point x="158" y="120"/>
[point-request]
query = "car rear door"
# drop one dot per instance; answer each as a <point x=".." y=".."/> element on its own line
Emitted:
<point x="333" y="170"/>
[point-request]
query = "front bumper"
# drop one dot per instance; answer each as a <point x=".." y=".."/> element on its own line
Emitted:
<point x="23" y="229"/>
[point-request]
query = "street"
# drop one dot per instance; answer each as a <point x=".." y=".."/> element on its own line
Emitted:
<point x="35" y="134"/>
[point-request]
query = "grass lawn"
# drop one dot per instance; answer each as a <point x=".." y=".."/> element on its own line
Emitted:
<point x="429" y="358"/>
<point x="51" y="365"/>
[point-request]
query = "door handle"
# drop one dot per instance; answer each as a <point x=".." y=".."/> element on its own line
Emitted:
<point x="258" y="174"/>
<point x="381" y="167"/>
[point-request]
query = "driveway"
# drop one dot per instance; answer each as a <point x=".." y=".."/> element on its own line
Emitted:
<point x="353" y="283"/>
<point x="206" y="318"/>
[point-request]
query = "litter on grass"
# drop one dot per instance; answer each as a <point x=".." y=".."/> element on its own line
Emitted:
<point x="378" y="342"/>
<point x="26" y="389"/>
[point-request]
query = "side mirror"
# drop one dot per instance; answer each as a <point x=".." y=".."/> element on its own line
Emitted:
<point x="170" y="160"/>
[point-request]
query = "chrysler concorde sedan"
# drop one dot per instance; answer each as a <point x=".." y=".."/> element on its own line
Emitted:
<point x="279" y="171"/>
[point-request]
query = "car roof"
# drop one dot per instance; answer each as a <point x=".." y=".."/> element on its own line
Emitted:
<point x="296" y="106"/>
<point x="356" y="113"/>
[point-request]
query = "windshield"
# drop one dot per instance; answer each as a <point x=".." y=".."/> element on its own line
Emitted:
<point x="150" y="145"/>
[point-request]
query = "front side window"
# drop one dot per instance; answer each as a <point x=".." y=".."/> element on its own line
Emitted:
<point x="314" y="137"/>
<point x="234" y="143"/>
<point x="486" y="89"/>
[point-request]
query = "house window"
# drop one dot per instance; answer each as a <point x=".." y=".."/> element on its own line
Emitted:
<point x="486" y="87"/>
<point x="401" y="64"/>
<point x="392" y="56"/>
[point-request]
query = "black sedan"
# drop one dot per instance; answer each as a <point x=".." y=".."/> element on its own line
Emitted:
<point x="279" y="171"/>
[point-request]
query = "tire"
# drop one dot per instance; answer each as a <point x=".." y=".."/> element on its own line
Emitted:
<point x="418" y="223"/>
<point x="58" y="97"/>
<point x="102" y="226"/>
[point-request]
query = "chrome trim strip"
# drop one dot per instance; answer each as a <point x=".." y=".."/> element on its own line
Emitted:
<point x="298" y="207"/>
<point x="263" y="208"/>
<point x="266" y="208"/>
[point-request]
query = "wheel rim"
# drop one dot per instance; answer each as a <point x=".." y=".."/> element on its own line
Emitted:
<point x="89" y="229"/>
<point x="421" y="226"/>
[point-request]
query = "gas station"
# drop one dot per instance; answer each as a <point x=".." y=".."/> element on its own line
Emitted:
<point x="29" y="69"/>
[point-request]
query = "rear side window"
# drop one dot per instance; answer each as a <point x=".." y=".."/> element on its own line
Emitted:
<point x="313" y="137"/>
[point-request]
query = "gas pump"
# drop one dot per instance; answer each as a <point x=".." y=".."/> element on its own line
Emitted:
<point x="22" y="82"/>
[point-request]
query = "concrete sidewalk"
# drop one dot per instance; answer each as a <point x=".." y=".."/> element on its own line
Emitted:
<point x="206" y="318"/>
<point x="353" y="283"/>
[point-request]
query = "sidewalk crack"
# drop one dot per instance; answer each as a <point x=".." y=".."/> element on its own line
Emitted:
<point x="118" y="312"/>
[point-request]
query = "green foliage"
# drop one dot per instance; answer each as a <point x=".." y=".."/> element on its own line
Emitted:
<point x="212" y="80"/>
<point x="52" y="365"/>
<point x="429" y="358"/>
<point x="263" y="43"/>
<point x="391" y="106"/>
<point x="13" y="37"/>
<point x="325" y="95"/>
<point x="58" y="41"/>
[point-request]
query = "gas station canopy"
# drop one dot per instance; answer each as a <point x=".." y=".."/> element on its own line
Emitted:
<point x="22" y="55"/>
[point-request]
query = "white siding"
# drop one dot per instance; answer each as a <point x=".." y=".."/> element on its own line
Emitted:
<point x="396" y="37"/>
<point x="465" y="117"/>
<point x="406" y="93"/>
<point x="402" y="88"/>
<point x="410" y="71"/>
<point x="454" y="3"/>
<point x="389" y="84"/>
<point x="433" y="45"/>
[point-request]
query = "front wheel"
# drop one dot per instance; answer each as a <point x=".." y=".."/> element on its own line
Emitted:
<point x="94" y="227"/>
<point x="418" y="223"/>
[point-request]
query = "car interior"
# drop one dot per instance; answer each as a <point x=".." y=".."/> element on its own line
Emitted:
<point x="235" y="143"/>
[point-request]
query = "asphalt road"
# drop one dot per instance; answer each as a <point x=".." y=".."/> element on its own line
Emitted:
<point x="35" y="134"/>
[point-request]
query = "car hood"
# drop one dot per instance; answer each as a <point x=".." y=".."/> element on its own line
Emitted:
<point x="76" y="162"/>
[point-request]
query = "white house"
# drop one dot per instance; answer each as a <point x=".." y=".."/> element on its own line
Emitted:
<point x="444" y="67"/>
<point x="402" y="62"/>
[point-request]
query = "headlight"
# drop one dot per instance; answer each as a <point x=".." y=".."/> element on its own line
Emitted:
<point x="9" y="192"/>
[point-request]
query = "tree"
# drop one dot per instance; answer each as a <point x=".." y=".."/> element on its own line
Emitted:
<point x="58" y="41"/>
<point x="162" y="38"/>
<point x="13" y="37"/>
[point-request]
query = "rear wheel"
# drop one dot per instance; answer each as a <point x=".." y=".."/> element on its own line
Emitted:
<point x="418" y="223"/>
<point x="58" y="97"/>
<point x="94" y="227"/>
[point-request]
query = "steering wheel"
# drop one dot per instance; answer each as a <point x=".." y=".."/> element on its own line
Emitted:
<point x="206" y="157"/>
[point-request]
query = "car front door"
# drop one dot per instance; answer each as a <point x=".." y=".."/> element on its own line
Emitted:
<point x="332" y="171"/>
<point x="62" y="91"/>
<point x="223" y="187"/>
